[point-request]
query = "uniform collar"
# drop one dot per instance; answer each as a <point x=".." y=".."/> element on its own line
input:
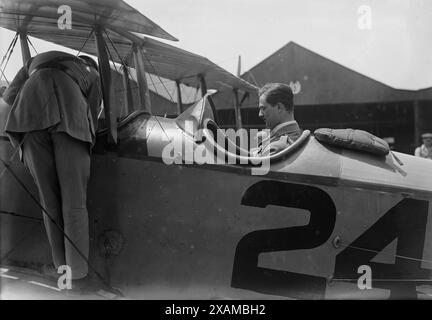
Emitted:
<point x="285" y="125"/>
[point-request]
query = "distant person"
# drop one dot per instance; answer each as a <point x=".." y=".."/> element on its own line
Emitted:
<point x="54" y="100"/>
<point x="276" y="109"/>
<point x="425" y="150"/>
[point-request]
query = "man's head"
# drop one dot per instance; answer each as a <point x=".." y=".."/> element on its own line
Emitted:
<point x="276" y="104"/>
<point x="427" y="139"/>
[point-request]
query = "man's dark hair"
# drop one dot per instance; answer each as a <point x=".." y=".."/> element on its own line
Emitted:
<point x="89" y="61"/>
<point x="278" y="92"/>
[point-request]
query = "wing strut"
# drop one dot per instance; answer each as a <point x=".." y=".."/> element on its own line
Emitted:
<point x="25" y="51"/>
<point x="238" y="118"/>
<point x="105" y="77"/>
<point x="127" y="90"/>
<point x="143" y="90"/>
<point x="203" y="86"/>
<point x="245" y="96"/>
<point x="179" y="98"/>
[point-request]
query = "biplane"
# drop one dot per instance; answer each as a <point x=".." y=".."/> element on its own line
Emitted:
<point x="325" y="221"/>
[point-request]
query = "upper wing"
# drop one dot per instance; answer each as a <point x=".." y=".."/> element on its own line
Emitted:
<point x="121" y="23"/>
<point x="42" y="16"/>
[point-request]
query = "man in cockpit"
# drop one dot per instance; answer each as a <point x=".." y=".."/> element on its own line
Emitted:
<point x="276" y="108"/>
<point x="55" y="99"/>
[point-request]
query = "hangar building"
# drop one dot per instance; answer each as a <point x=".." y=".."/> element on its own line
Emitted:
<point x="330" y="95"/>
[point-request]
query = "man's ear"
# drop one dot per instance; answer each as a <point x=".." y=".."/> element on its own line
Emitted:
<point x="280" y="106"/>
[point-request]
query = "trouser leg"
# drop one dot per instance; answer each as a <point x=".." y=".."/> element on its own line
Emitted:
<point x="72" y="158"/>
<point x="38" y="155"/>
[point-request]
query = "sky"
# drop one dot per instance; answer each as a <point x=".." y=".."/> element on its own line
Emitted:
<point x="391" y="41"/>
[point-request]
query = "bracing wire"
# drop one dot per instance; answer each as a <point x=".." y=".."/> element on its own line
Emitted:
<point x="124" y="64"/>
<point x="376" y="251"/>
<point x="160" y="80"/>
<point x="31" y="44"/>
<point x="10" y="50"/>
<point x="14" y="214"/>
<point x="85" y="42"/>
<point x="4" y="76"/>
<point x="109" y="53"/>
<point x="11" y="45"/>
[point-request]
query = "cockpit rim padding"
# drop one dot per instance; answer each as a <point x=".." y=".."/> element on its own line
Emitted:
<point x="248" y="159"/>
<point x="125" y="120"/>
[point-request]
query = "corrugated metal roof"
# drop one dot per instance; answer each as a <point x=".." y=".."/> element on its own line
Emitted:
<point x="319" y="80"/>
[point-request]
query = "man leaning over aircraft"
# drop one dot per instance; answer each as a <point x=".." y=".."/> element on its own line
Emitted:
<point x="276" y="108"/>
<point x="53" y="118"/>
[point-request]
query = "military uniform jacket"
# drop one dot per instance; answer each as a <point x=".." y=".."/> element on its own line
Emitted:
<point x="280" y="137"/>
<point x="44" y="96"/>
